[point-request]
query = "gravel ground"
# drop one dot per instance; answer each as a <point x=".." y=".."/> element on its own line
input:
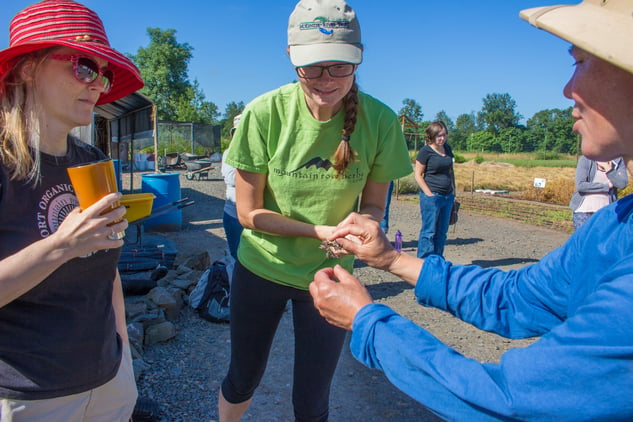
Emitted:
<point x="185" y="373"/>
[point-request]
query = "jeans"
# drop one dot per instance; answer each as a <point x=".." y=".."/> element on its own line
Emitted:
<point x="580" y="218"/>
<point x="384" y="223"/>
<point x="436" y="213"/>
<point x="233" y="230"/>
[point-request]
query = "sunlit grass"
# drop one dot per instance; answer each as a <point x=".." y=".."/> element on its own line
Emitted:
<point x="541" y="163"/>
<point x="524" y="159"/>
<point x="514" y="173"/>
<point x="492" y="175"/>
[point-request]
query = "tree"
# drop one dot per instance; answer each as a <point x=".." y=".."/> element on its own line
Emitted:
<point x="511" y="139"/>
<point x="441" y="116"/>
<point x="164" y="68"/>
<point x="481" y="141"/>
<point x="193" y="107"/>
<point x="465" y="125"/>
<point x="412" y="110"/>
<point x="551" y="130"/>
<point x="232" y="109"/>
<point x="499" y="112"/>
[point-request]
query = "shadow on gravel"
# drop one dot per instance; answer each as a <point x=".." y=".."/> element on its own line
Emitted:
<point x="211" y="206"/>
<point x="389" y="289"/>
<point x="461" y="241"/>
<point x="502" y="262"/>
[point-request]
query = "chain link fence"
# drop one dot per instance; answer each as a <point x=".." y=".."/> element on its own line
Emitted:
<point x="192" y="138"/>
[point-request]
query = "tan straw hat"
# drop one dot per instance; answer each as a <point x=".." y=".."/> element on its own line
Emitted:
<point x="51" y="23"/>
<point x="603" y="28"/>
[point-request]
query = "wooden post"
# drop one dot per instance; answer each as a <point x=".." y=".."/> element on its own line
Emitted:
<point x="155" y="130"/>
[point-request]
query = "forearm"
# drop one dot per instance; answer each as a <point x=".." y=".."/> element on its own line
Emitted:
<point x="373" y="199"/>
<point x="407" y="267"/>
<point x="25" y="269"/>
<point x="118" y="304"/>
<point x="421" y="366"/>
<point x="618" y="178"/>
<point x="513" y="304"/>
<point x="459" y="388"/>
<point x="267" y="221"/>
<point x="592" y="187"/>
<point x="423" y="186"/>
<point x="374" y="211"/>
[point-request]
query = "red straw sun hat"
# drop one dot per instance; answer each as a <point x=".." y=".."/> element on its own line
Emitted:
<point x="51" y="23"/>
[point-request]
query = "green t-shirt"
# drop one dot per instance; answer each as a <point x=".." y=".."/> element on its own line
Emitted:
<point x="278" y="136"/>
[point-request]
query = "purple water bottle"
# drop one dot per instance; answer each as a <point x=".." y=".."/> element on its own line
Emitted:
<point x="398" y="243"/>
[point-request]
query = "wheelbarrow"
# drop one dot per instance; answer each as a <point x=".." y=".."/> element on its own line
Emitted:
<point x="198" y="169"/>
<point x="173" y="160"/>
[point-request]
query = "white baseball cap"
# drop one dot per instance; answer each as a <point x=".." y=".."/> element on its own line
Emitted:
<point x="323" y="31"/>
<point x="603" y="28"/>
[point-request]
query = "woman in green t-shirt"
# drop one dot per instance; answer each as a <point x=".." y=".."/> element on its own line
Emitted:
<point x="307" y="154"/>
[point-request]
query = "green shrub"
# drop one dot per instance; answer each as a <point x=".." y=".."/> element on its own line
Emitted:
<point x="626" y="191"/>
<point x="479" y="159"/>
<point x="406" y="185"/>
<point x="459" y="158"/>
<point x="547" y="155"/>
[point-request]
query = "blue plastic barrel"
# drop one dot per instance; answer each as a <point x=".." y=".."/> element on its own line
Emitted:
<point x="166" y="189"/>
<point x="117" y="172"/>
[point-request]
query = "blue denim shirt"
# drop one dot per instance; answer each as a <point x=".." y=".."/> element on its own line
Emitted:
<point x="578" y="299"/>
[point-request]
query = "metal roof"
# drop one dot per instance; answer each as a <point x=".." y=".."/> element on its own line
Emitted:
<point x="129" y="117"/>
<point x="124" y="106"/>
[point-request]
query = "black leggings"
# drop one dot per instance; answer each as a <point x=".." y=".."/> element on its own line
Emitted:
<point x="257" y="306"/>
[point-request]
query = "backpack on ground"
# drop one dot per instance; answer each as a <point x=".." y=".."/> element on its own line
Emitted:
<point x="211" y="296"/>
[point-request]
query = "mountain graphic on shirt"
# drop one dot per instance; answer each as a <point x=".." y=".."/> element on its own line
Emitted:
<point x="318" y="162"/>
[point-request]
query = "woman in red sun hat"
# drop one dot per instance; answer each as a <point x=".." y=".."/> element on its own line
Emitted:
<point x="64" y="350"/>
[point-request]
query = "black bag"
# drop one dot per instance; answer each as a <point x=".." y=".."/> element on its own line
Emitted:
<point x="454" y="213"/>
<point x="211" y="296"/>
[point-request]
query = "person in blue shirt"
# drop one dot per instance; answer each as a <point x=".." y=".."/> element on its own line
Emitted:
<point x="578" y="300"/>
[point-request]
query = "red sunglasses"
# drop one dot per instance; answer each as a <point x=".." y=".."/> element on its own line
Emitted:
<point x="87" y="70"/>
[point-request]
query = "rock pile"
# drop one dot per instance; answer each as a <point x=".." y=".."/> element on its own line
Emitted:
<point x="150" y="316"/>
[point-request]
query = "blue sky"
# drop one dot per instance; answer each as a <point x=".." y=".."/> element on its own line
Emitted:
<point x="447" y="55"/>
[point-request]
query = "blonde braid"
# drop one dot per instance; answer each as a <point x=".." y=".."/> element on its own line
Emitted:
<point x="344" y="153"/>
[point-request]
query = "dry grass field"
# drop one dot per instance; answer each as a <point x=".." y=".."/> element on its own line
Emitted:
<point x="514" y="173"/>
<point x="519" y="181"/>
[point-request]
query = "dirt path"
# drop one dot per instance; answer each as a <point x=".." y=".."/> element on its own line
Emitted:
<point x="186" y="372"/>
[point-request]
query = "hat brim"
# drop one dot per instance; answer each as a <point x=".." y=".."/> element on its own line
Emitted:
<point x="597" y="30"/>
<point x="127" y="78"/>
<point x="304" y="55"/>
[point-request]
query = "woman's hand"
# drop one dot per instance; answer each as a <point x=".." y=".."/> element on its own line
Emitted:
<point x="84" y="232"/>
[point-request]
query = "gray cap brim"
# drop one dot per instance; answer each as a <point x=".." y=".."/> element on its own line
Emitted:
<point x="304" y="55"/>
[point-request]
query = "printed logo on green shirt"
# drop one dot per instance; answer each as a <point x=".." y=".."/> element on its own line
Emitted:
<point x="318" y="162"/>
